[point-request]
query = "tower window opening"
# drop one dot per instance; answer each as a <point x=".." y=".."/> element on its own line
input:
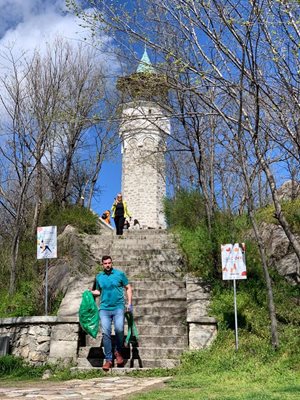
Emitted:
<point x="150" y="111"/>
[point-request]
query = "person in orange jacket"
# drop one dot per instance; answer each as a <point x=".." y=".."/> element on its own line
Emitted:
<point x="106" y="217"/>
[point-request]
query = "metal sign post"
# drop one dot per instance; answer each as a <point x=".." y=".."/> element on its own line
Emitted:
<point x="233" y="268"/>
<point x="46" y="248"/>
<point x="46" y="287"/>
<point x="235" y="316"/>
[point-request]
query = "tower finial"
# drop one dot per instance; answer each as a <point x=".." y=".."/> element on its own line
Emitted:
<point x="145" y="63"/>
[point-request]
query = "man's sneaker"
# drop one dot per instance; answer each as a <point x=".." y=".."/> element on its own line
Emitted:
<point x="119" y="359"/>
<point x="107" y="365"/>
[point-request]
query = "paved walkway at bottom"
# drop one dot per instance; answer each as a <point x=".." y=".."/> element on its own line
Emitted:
<point x="91" y="389"/>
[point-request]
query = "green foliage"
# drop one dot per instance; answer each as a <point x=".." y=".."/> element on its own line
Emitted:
<point x="202" y="250"/>
<point x="55" y="302"/>
<point x="198" y="250"/>
<point x="220" y="372"/>
<point x="16" y="368"/>
<point x="186" y="209"/>
<point x="26" y="300"/>
<point x="291" y="211"/>
<point x="255" y="363"/>
<point x="29" y="297"/>
<point x="81" y="218"/>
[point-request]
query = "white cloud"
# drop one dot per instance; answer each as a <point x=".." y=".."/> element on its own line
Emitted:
<point x="31" y="24"/>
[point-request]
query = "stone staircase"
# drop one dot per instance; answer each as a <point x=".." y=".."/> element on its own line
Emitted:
<point x="155" y="268"/>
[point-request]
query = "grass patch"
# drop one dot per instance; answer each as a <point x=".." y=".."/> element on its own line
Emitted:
<point x="253" y="372"/>
<point x="81" y="218"/>
<point x="291" y="210"/>
<point x="15" y="368"/>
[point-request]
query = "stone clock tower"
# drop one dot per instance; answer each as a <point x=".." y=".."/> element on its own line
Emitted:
<point x="143" y="131"/>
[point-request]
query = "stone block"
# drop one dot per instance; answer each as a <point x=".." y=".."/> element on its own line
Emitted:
<point x="194" y="292"/>
<point x="196" y="310"/>
<point x="65" y="332"/>
<point x="22" y="352"/>
<point x="201" y="336"/>
<point x="43" y="347"/>
<point x="39" y="330"/>
<point x="60" y="349"/>
<point x="42" y="339"/>
<point x="37" y="357"/>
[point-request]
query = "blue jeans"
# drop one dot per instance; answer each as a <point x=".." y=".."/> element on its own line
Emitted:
<point x="107" y="317"/>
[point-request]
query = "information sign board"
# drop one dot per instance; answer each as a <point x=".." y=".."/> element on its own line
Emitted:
<point x="46" y="242"/>
<point x="233" y="261"/>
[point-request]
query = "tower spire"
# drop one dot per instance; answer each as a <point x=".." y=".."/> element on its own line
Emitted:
<point x="145" y="64"/>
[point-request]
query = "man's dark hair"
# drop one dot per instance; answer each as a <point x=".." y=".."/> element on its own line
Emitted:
<point x="106" y="258"/>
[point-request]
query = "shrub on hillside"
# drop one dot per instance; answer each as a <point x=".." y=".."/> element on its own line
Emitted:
<point x="186" y="209"/>
<point x="81" y="218"/>
<point x="291" y="211"/>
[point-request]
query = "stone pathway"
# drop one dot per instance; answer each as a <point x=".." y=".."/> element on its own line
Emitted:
<point x="107" y="388"/>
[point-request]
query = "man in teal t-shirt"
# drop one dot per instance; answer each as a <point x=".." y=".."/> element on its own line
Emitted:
<point x="109" y="285"/>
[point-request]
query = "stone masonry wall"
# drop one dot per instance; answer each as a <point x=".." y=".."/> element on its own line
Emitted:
<point x="143" y="130"/>
<point x="34" y="338"/>
<point x="202" y="329"/>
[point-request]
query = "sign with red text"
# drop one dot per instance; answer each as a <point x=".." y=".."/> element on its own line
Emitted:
<point x="46" y="242"/>
<point x="233" y="261"/>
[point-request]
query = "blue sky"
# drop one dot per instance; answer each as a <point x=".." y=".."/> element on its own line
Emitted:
<point x="26" y="25"/>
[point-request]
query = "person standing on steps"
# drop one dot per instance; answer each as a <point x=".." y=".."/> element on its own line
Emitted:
<point x="109" y="285"/>
<point x="119" y="213"/>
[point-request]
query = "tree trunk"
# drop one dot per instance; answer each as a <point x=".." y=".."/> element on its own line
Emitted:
<point x="13" y="266"/>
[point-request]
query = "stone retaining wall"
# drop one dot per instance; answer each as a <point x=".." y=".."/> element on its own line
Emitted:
<point x="42" y="339"/>
<point x="55" y="339"/>
<point x="202" y="329"/>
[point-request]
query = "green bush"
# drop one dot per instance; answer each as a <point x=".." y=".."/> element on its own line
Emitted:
<point x="81" y="218"/>
<point x="186" y="209"/>
<point x="15" y="367"/>
<point x="291" y="210"/>
<point x="26" y="300"/>
<point x="197" y="249"/>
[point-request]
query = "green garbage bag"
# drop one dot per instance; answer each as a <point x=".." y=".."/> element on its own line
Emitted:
<point x="88" y="314"/>
<point x="132" y="335"/>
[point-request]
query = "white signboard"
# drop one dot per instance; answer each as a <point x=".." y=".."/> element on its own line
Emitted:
<point x="46" y="242"/>
<point x="233" y="261"/>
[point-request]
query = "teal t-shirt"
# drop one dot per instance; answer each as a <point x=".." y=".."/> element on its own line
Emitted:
<point x="111" y="287"/>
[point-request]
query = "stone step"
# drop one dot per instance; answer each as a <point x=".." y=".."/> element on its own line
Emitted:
<point x="160" y="311"/>
<point x="159" y="302"/>
<point x="144" y="275"/>
<point x="120" y="263"/>
<point x="147" y="232"/>
<point x="135" y="257"/>
<point x="153" y="330"/>
<point x="151" y="273"/>
<point x="155" y="254"/>
<point x="146" y="248"/>
<point x="146" y="341"/>
<point x="153" y="285"/>
<point x="135" y="352"/>
<point x="96" y="242"/>
<point x="161" y="276"/>
<point x="173" y="292"/>
<point x="143" y="239"/>
<point x="170" y="319"/>
<point x="84" y="364"/>
<point x="152" y="266"/>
